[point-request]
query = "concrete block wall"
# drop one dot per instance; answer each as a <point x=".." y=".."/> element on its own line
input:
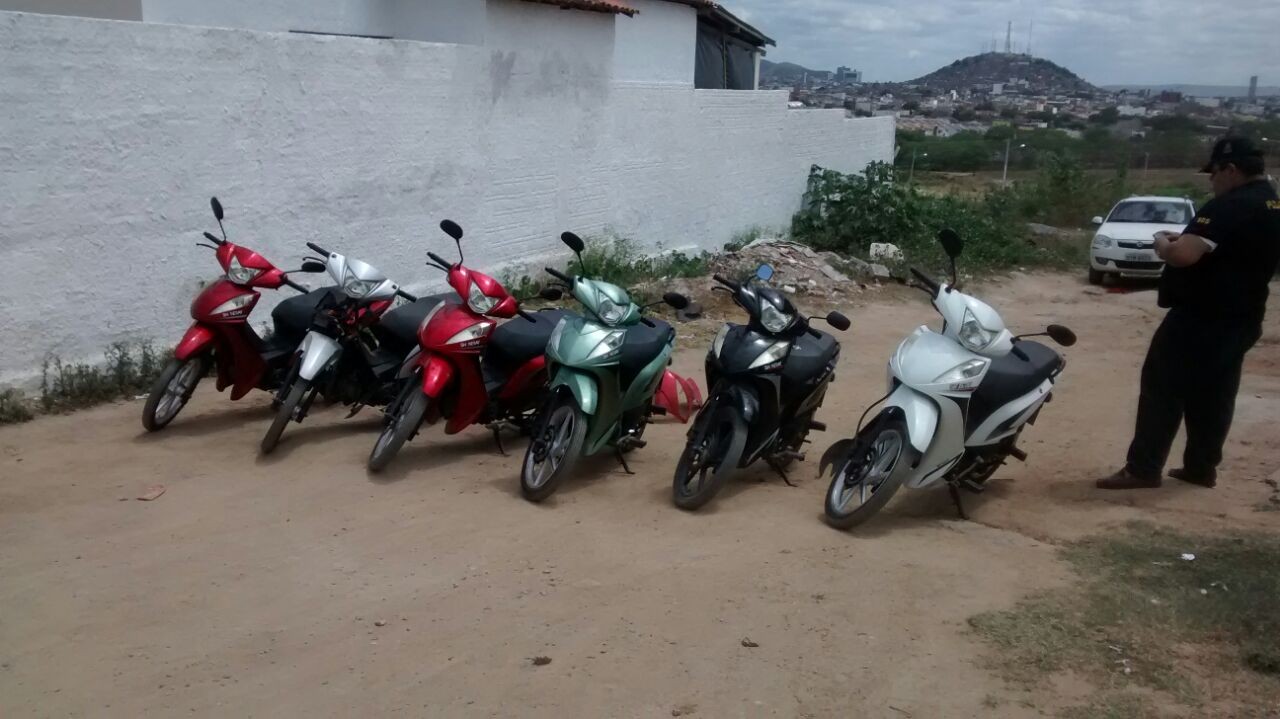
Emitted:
<point x="113" y="135"/>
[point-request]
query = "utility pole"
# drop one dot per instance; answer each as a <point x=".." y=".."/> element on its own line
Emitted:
<point x="1146" y="163"/>
<point x="911" y="174"/>
<point x="1004" y="176"/>
<point x="1008" y="38"/>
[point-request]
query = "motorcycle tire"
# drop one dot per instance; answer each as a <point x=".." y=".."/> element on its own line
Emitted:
<point x="885" y="449"/>
<point x="399" y="428"/>
<point x="723" y="437"/>
<point x="284" y="415"/>
<point x="171" y="391"/>
<point x="565" y="429"/>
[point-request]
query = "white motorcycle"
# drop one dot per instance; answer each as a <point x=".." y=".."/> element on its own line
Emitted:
<point x="957" y="401"/>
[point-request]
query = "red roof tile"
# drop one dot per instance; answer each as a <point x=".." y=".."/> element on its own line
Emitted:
<point x="611" y="6"/>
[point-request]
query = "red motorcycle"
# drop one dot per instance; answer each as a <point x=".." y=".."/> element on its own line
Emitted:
<point x="221" y="334"/>
<point x="467" y="369"/>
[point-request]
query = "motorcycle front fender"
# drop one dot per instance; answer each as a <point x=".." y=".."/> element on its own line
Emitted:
<point x="743" y="399"/>
<point x="437" y="375"/>
<point x="197" y="340"/>
<point x="581" y="385"/>
<point x="920" y="414"/>
<point x="317" y="352"/>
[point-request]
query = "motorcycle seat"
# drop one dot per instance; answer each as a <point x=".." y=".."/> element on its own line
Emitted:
<point x="518" y="340"/>
<point x="1010" y="376"/>
<point x="809" y="355"/>
<point x="292" y="317"/>
<point x="398" y="328"/>
<point x="640" y="346"/>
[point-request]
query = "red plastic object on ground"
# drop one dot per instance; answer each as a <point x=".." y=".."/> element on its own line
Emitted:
<point x="668" y="396"/>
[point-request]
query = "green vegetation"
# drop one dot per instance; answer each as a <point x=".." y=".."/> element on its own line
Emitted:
<point x="620" y="261"/>
<point x="846" y="213"/>
<point x="129" y="370"/>
<point x="13" y="407"/>
<point x="1143" y="617"/>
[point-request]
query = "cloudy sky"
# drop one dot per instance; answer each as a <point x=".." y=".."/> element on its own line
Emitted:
<point x="1103" y="41"/>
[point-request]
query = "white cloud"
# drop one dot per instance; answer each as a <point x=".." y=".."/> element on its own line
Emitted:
<point x="1132" y="41"/>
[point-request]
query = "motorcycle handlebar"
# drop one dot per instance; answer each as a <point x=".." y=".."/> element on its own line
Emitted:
<point x="295" y="285"/>
<point x="526" y="315"/>
<point x="406" y="295"/>
<point x="926" y="280"/>
<point x="215" y="240"/>
<point x="319" y="249"/>
<point x="726" y="282"/>
<point x="1017" y="352"/>
<point x="647" y="322"/>
<point x="438" y="260"/>
<point x="559" y="275"/>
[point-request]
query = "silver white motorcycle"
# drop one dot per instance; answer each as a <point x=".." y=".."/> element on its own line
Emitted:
<point x="352" y="351"/>
<point x="957" y="402"/>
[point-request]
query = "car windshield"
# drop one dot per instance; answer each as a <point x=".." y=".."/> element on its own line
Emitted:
<point x="1170" y="213"/>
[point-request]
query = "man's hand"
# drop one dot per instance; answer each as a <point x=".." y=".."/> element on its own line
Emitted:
<point x="1164" y="238"/>
<point x="1180" y="250"/>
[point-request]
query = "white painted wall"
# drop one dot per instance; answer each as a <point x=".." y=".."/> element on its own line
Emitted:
<point x="459" y="21"/>
<point x="658" y="44"/>
<point x="113" y="135"/>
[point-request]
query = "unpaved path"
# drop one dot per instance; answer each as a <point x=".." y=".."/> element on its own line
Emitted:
<point x="257" y="588"/>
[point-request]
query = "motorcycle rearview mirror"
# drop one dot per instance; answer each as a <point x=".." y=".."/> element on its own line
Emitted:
<point x="313" y="266"/>
<point x="218" y="215"/>
<point x="1062" y="335"/>
<point x="551" y="294"/>
<point x="764" y="272"/>
<point x="951" y="243"/>
<point x="576" y="244"/>
<point x="453" y="230"/>
<point x="838" y="320"/>
<point x="676" y="300"/>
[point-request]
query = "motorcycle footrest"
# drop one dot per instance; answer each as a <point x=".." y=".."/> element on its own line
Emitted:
<point x="631" y="443"/>
<point x="1017" y="454"/>
<point x="973" y="486"/>
<point x="655" y="409"/>
<point x="816" y="425"/>
<point x="789" y="454"/>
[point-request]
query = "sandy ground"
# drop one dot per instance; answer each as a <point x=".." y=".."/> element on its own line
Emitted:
<point x="300" y="586"/>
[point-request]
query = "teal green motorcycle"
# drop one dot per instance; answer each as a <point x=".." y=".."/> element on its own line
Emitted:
<point x="605" y="366"/>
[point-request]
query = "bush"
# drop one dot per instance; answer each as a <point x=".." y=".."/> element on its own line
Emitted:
<point x="621" y="261"/>
<point x="13" y="407"/>
<point x="847" y="213"/>
<point x="129" y="370"/>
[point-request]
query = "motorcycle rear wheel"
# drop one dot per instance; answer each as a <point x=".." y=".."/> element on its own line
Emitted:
<point x="868" y="475"/>
<point x="399" y="428"/>
<point x="709" y="459"/>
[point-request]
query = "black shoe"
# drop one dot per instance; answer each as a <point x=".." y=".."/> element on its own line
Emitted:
<point x="1203" y="480"/>
<point x="1124" y="479"/>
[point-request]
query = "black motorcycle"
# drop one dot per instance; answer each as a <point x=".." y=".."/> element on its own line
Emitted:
<point x="767" y="378"/>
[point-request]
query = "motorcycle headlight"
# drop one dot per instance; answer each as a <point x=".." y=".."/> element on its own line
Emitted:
<point x="474" y="332"/>
<point x="611" y="343"/>
<point x="774" y="319"/>
<point x="479" y="302"/>
<point x="233" y="304"/>
<point x="718" y="344"/>
<point x="963" y="371"/>
<point x="775" y="353"/>
<point x="973" y="335"/>
<point x="357" y="288"/>
<point x="610" y="312"/>
<point x="240" y="274"/>
<point x="1101" y="242"/>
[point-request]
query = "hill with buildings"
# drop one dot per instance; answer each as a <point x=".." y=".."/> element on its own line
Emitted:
<point x="1011" y="70"/>
<point x="788" y="73"/>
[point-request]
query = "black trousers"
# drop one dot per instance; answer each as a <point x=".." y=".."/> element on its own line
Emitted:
<point x="1192" y="373"/>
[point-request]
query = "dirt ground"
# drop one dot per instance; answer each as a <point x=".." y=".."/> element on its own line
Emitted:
<point x="300" y="586"/>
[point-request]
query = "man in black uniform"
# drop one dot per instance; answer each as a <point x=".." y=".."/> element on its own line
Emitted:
<point x="1215" y="287"/>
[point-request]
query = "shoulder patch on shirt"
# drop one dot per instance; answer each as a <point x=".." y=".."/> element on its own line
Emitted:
<point x="1273" y="204"/>
<point x="1202" y="220"/>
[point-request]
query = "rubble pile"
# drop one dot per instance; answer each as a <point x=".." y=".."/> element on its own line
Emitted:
<point x="799" y="269"/>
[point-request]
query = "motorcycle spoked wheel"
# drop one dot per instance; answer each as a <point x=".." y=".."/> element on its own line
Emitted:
<point x="554" y="448"/>
<point x="710" y="457"/>
<point x="172" y="390"/>
<point x="402" y="423"/>
<point x="286" y="413"/>
<point x="868" y="476"/>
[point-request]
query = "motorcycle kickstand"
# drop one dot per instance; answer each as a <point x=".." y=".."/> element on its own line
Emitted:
<point x="955" y="497"/>
<point x="781" y="473"/>
<point x="497" y="437"/>
<point x="623" y="459"/>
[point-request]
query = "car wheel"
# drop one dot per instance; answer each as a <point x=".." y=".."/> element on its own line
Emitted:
<point x="1096" y="277"/>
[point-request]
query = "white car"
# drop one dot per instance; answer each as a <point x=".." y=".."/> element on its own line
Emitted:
<point x="1123" y="243"/>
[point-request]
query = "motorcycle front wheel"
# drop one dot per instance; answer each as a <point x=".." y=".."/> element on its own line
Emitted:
<point x="171" y="391"/>
<point x="867" y="479"/>
<point x="400" y="426"/>
<point x="285" y="414"/>
<point x="554" y="448"/>
<point x="709" y="459"/>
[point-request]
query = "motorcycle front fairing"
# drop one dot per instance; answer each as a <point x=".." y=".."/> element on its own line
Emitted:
<point x="744" y="372"/>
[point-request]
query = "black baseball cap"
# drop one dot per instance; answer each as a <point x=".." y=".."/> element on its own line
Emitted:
<point x="1231" y="149"/>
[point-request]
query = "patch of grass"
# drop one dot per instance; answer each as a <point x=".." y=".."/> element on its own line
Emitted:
<point x="14" y="407"/>
<point x="1139" y="607"/>
<point x="128" y="370"/>
<point x="621" y="261"/>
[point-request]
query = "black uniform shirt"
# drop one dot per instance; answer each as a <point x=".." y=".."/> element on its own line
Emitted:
<point x="1230" y="282"/>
